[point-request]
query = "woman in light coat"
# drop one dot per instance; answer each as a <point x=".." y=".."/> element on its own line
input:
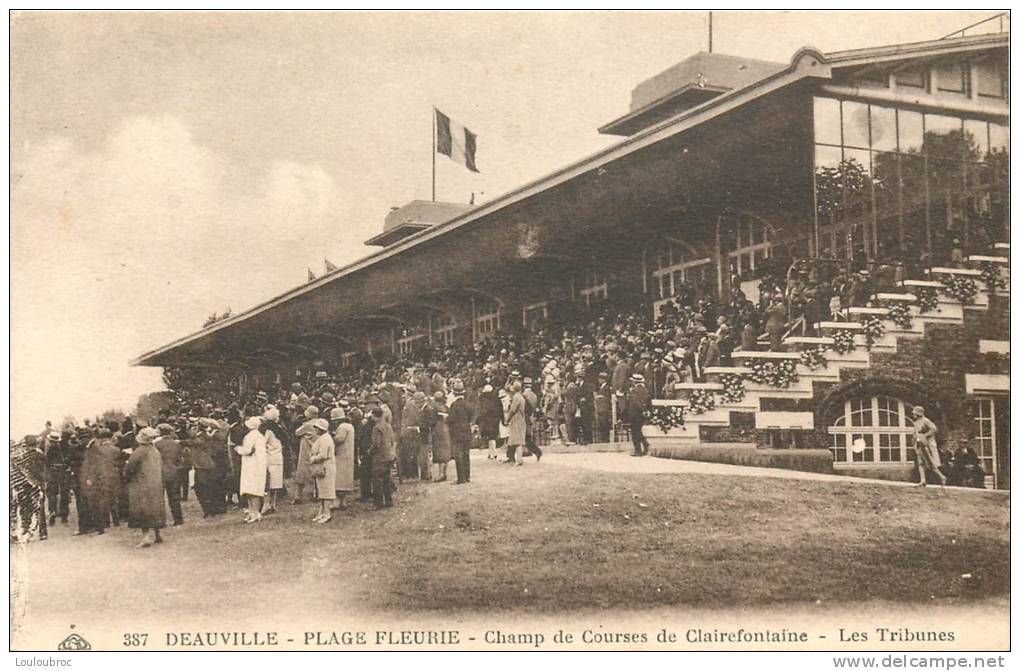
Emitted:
<point x="322" y="466"/>
<point x="275" y="436"/>
<point x="516" y="424"/>
<point x="253" y="468"/>
<point x="343" y="454"/>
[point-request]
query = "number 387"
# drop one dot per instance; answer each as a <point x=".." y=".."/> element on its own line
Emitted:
<point x="135" y="640"/>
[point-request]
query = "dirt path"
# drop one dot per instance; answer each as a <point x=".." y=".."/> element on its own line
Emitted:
<point x="622" y="462"/>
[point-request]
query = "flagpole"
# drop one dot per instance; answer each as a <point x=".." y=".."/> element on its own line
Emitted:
<point x="433" y="153"/>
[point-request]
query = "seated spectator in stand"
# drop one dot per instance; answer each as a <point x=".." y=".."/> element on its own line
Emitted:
<point x="775" y="324"/>
<point x="966" y="468"/>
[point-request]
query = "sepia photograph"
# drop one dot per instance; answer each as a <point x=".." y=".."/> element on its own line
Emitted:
<point x="510" y="331"/>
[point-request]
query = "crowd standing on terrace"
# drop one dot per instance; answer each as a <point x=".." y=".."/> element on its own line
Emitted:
<point x="356" y="434"/>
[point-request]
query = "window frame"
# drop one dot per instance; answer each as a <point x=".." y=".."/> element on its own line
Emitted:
<point x="871" y="408"/>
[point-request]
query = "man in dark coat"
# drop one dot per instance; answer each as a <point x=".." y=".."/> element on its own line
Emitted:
<point x="235" y="435"/>
<point x="363" y="442"/>
<point x="58" y="490"/>
<point x="459" y="424"/>
<point x="209" y="461"/>
<point x="171" y="456"/>
<point x="603" y="409"/>
<point x="99" y="482"/>
<point x="638" y="401"/>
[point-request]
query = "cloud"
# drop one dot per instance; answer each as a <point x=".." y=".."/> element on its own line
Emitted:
<point x="121" y="249"/>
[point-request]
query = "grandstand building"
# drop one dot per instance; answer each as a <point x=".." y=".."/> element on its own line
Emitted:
<point x="728" y="168"/>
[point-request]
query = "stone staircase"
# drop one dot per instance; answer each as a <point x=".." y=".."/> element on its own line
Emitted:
<point x="759" y="400"/>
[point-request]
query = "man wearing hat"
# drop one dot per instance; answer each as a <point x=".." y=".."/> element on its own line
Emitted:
<point x="58" y="489"/>
<point x="210" y="463"/>
<point x="926" y="448"/>
<point x="363" y="441"/>
<point x="171" y="457"/>
<point x="638" y="401"/>
<point x="603" y="408"/>
<point x="459" y="424"/>
<point x="411" y="439"/>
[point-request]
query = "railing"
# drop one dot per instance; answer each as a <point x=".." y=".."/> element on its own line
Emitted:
<point x="1002" y="18"/>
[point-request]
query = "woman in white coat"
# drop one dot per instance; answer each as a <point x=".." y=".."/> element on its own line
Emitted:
<point x="253" y="468"/>
<point x="343" y="451"/>
<point x="275" y="435"/>
<point x="322" y="467"/>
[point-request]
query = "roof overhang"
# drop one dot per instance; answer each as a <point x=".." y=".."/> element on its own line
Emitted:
<point x="668" y="106"/>
<point x="396" y="234"/>
<point x="807" y="63"/>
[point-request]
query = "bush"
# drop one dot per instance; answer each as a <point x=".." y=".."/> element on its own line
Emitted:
<point x="810" y="460"/>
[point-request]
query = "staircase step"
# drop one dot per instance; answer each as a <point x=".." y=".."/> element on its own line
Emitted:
<point x="807" y="340"/>
<point x="993" y="346"/>
<point x="969" y="272"/>
<point x="727" y="370"/>
<point x="766" y="355"/>
<point x="801" y="389"/>
<point x="856" y="359"/>
<point x="988" y="259"/>
<point x="850" y="326"/>
<point x="784" y="420"/>
<point x="930" y="284"/>
<point x="878" y="312"/>
<point x="906" y="298"/>
<point x="1001" y="246"/>
<point x="693" y="386"/>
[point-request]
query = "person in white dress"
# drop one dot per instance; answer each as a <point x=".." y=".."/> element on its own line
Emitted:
<point x="253" y="468"/>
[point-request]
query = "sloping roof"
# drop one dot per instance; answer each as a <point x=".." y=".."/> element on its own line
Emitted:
<point x="806" y="63"/>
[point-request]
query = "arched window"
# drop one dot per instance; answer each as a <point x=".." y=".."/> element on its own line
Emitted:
<point x="875" y="430"/>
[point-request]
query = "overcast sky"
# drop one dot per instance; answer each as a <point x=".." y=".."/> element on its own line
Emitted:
<point x="168" y="165"/>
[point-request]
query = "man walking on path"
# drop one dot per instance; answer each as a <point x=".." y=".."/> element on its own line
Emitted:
<point x="926" y="448"/>
<point x="638" y="401"/>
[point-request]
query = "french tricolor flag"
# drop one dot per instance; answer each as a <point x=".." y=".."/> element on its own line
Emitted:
<point x="455" y="141"/>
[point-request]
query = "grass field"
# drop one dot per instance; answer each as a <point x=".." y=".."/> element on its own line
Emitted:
<point x="547" y="538"/>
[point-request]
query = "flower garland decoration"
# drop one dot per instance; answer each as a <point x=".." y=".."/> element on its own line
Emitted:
<point x="991" y="273"/>
<point x="734" y="390"/>
<point x="927" y="299"/>
<point x="899" y="313"/>
<point x="962" y="289"/>
<point x="873" y="329"/>
<point x="779" y="374"/>
<point x="843" y="341"/>
<point x="701" y="401"/>
<point x="814" y="357"/>
<point x="665" y="417"/>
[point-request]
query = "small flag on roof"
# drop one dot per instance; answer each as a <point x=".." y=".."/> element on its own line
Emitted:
<point x="329" y="265"/>
<point x="455" y="141"/>
<point x="311" y="275"/>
